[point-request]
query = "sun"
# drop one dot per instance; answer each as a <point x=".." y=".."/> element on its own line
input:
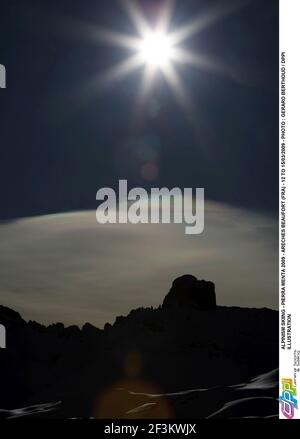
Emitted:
<point x="156" y="49"/>
<point x="159" y="49"/>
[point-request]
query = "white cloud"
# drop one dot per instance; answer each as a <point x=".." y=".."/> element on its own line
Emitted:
<point x="69" y="268"/>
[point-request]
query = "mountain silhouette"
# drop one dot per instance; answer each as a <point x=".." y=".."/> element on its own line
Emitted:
<point x="187" y="358"/>
<point x="188" y="291"/>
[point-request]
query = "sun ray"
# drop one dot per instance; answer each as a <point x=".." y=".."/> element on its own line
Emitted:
<point x="98" y="34"/>
<point x="117" y="39"/>
<point x="178" y="88"/>
<point x="207" y="19"/>
<point x="146" y="83"/>
<point x="145" y="89"/>
<point x="165" y="16"/>
<point x="122" y="69"/>
<point x="186" y="57"/>
<point x="135" y="13"/>
<point x="93" y="87"/>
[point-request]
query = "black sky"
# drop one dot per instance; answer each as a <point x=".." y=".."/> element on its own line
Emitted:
<point x="58" y="147"/>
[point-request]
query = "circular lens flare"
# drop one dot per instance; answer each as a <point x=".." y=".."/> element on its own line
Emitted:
<point x="156" y="49"/>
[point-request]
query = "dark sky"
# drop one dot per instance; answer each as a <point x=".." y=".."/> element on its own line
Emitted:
<point x="58" y="147"/>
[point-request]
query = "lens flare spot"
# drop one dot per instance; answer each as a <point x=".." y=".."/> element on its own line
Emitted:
<point x="150" y="172"/>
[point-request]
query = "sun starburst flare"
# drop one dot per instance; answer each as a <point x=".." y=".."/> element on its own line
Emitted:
<point x="158" y="49"/>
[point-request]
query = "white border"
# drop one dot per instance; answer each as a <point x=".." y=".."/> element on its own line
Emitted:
<point x="289" y="43"/>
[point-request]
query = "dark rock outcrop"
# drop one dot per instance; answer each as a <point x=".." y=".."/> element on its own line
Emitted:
<point x="10" y="316"/>
<point x="188" y="291"/>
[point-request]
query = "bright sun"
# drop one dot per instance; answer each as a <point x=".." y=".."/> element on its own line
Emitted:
<point x="156" y="49"/>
